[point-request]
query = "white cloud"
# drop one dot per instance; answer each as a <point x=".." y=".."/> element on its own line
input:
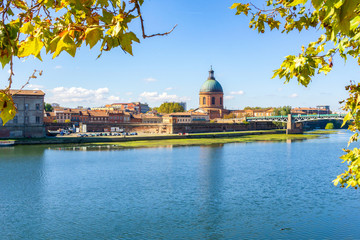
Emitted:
<point x="161" y="97"/>
<point x="169" y="88"/>
<point x="34" y="87"/>
<point x="237" y="92"/>
<point x="74" y="96"/>
<point x="128" y="93"/>
<point x="149" y="94"/>
<point x="113" y="98"/>
<point x="294" y="95"/>
<point x="229" y="97"/>
<point x="150" y="79"/>
<point x="58" y="67"/>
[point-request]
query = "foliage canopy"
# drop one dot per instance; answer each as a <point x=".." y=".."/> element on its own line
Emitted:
<point x="48" y="107"/>
<point x="169" y="107"/>
<point x="337" y="24"/>
<point x="32" y="27"/>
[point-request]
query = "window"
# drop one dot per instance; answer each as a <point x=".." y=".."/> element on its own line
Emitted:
<point x="37" y="106"/>
<point x="26" y="106"/>
<point x="26" y="119"/>
<point x="15" y="120"/>
<point x="221" y="101"/>
<point x="37" y="119"/>
<point x="204" y="100"/>
<point x="213" y="100"/>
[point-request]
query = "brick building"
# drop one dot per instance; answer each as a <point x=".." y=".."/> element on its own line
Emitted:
<point x="29" y="119"/>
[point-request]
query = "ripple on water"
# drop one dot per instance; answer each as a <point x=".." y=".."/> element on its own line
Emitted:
<point x="232" y="191"/>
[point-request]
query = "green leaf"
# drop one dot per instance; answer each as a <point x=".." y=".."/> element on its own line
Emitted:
<point x="92" y="36"/>
<point x="107" y="17"/>
<point x="4" y="60"/>
<point x="126" y="41"/>
<point x="317" y="3"/>
<point x="103" y="3"/>
<point x="347" y="12"/>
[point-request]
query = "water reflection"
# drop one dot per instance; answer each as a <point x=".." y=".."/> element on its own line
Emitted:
<point x="21" y="152"/>
<point x="22" y="180"/>
<point x="211" y="160"/>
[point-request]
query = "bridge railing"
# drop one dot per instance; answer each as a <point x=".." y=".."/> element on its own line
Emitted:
<point x="299" y="116"/>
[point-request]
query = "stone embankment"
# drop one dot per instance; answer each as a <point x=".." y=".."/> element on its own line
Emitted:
<point x="109" y="139"/>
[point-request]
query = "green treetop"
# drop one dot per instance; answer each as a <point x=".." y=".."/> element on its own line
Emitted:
<point x="170" y="108"/>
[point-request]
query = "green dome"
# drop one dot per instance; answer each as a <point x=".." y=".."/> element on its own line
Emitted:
<point x="211" y="85"/>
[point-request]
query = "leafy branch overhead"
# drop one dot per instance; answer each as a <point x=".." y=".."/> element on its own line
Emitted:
<point x="337" y="25"/>
<point x="55" y="26"/>
<point x="336" y="22"/>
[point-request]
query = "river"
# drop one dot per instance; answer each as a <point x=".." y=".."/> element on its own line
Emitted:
<point x="260" y="190"/>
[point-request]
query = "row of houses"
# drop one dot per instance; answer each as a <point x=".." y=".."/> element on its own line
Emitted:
<point x="270" y="111"/>
<point x="133" y="107"/>
<point x="69" y="115"/>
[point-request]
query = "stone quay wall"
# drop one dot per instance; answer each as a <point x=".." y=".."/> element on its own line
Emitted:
<point x="22" y="131"/>
<point x="162" y="128"/>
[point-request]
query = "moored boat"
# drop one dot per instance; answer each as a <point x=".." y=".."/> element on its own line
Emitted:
<point x="52" y="133"/>
<point x="6" y="143"/>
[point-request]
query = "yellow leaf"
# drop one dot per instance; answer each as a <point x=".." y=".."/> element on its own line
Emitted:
<point x="32" y="46"/>
<point x="346" y="118"/>
<point x="65" y="43"/>
<point x="235" y="5"/>
<point x="7" y="107"/>
<point x="297" y="2"/>
<point x="27" y="28"/>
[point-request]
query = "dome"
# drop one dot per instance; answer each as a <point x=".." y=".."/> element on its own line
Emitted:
<point x="211" y="85"/>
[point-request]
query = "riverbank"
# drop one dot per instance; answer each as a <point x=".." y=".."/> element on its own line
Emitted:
<point x="210" y="141"/>
<point x="158" y="140"/>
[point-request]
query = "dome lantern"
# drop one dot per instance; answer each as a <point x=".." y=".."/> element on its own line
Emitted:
<point x="211" y="85"/>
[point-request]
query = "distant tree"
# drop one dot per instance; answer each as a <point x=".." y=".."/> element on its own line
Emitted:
<point x="279" y="125"/>
<point x="48" y="107"/>
<point x="67" y="121"/>
<point x="254" y="108"/>
<point x="329" y="126"/>
<point x="229" y="116"/>
<point x="170" y="108"/>
<point x="283" y="111"/>
<point x="55" y="121"/>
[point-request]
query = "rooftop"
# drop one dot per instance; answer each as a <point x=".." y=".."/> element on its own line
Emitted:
<point x="27" y="92"/>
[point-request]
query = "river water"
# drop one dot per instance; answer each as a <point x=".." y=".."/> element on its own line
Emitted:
<point x="263" y="190"/>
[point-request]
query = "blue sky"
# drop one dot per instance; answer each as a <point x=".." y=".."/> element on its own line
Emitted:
<point x="172" y="68"/>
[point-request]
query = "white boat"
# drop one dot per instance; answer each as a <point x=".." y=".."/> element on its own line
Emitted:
<point x="52" y="133"/>
<point x="6" y="143"/>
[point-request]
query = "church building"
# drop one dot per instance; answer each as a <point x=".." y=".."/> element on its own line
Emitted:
<point x="211" y="98"/>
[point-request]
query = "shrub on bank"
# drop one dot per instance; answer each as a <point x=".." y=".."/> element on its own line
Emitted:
<point x="329" y="126"/>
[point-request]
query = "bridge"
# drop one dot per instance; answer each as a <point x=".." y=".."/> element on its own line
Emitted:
<point x="298" y="118"/>
<point x="295" y="122"/>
